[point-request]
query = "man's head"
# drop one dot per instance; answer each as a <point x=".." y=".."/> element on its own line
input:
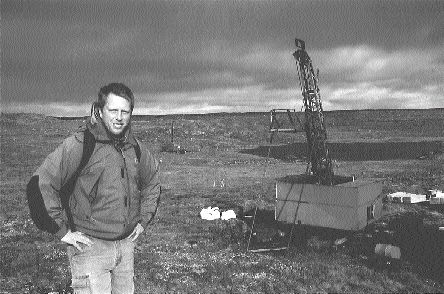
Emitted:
<point x="115" y="105"/>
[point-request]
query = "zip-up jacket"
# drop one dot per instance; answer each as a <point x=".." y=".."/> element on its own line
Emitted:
<point x="113" y="193"/>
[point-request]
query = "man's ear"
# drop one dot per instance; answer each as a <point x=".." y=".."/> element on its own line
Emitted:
<point x="94" y="113"/>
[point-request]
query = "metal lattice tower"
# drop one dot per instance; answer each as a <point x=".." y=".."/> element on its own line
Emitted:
<point x="320" y="164"/>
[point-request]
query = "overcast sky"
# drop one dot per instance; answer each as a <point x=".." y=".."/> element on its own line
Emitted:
<point x="220" y="56"/>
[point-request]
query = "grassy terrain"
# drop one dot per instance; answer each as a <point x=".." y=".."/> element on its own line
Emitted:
<point x="182" y="253"/>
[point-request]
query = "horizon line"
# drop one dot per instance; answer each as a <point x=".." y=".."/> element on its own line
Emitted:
<point x="225" y="112"/>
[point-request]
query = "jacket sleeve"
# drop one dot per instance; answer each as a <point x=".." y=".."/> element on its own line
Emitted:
<point x="150" y="188"/>
<point x="43" y="189"/>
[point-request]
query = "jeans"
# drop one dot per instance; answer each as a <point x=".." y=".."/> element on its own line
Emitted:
<point x="105" y="267"/>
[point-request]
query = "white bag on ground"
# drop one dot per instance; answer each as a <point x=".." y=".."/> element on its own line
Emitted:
<point x="210" y="213"/>
<point x="228" y="214"/>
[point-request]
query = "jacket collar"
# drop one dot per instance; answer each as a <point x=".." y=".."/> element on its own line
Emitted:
<point x="101" y="134"/>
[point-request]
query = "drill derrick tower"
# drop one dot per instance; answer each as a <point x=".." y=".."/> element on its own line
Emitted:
<point x="320" y="165"/>
<point x="321" y="198"/>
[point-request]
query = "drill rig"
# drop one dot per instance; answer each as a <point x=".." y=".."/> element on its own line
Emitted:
<point x="322" y="199"/>
<point x="320" y="165"/>
<point x="318" y="198"/>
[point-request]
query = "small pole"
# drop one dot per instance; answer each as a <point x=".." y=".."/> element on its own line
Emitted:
<point x="172" y="132"/>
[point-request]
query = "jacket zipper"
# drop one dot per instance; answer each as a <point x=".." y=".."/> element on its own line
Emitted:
<point x="128" y="196"/>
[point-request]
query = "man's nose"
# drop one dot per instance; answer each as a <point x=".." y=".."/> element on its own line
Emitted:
<point x="119" y="115"/>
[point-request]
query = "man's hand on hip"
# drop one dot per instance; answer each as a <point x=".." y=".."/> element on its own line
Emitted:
<point x="136" y="232"/>
<point x="77" y="239"/>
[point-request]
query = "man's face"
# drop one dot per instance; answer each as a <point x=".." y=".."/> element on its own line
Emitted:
<point x="116" y="114"/>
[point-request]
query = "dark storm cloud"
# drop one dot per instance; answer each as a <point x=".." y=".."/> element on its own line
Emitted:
<point x="216" y="55"/>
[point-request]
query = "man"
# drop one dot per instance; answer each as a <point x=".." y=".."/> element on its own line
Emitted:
<point x="114" y="197"/>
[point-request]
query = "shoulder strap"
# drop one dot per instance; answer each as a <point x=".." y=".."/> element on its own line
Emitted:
<point x="89" y="144"/>
<point x="138" y="156"/>
<point x="88" y="148"/>
<point x="137" y="150"/>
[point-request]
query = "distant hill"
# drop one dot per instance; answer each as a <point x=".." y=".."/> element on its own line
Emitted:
<point x="336" y="115"/>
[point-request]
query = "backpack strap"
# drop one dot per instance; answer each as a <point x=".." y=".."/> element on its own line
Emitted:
<point x="137" y="150"/>
<point x="89" y="144"/>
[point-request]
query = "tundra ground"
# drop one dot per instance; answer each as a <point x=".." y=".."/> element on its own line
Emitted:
<point x="228" y="163"/>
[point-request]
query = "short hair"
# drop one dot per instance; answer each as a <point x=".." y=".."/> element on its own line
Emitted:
<point x="118" y="89"/>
